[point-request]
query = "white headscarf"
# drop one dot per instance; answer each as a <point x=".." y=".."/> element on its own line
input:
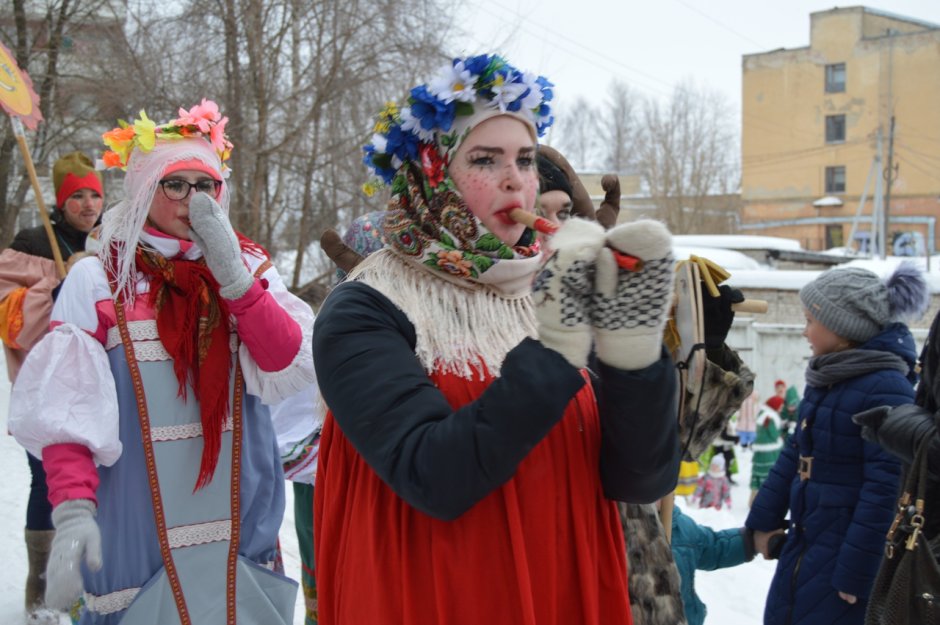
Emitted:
<point x="123" y="223"/>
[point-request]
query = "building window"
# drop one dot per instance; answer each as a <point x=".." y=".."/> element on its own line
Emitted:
<point x="835" y="179"/>
<point x="834" y="236"/>
<point x="835" y="78"/>
<point x="835" y="128"/>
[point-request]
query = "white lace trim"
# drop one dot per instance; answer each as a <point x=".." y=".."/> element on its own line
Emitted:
<point x="150" y="351"/>
<point x="111" y="602"/>
<point x="138" y="330"/>
<point x="199" y="533"/>
<point x="180" y="432"/>
<point x="147" y="344"/>
<point x="122" y="599"/>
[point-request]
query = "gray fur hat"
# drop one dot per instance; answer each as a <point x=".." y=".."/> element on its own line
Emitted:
<point x="856" y="304"/>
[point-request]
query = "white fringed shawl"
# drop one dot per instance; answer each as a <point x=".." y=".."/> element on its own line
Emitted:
<point x="460" y="325"/>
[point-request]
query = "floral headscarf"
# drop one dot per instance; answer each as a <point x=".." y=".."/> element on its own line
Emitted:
<point x="411" y="149"/>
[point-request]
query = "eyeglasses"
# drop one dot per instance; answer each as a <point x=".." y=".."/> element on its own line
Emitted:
<point x="178" y="189"/>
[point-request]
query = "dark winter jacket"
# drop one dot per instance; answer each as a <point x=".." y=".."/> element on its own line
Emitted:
<point x="695" y="546"/>
<point x="904" y="428"/>
<point x="639" y="458"/>
<point x="839" y="514"/>
<point x="35" y="241"/>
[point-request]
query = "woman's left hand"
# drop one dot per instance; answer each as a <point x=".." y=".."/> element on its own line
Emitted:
<point x="213" y="233"/>
<point x="850" y="599"/>
<point x="629" y="308"/>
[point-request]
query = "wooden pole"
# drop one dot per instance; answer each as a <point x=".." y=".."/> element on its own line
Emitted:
<point x="665" y="514"/>
<point x="20" y="133"/>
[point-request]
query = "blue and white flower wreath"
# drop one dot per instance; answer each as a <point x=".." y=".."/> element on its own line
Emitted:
<point x="461" y="89"/>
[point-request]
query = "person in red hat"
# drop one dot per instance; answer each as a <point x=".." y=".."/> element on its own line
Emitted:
<point x="780" y="391"/>
<point x="78" y="204"/>
<point x="28" y="285"/>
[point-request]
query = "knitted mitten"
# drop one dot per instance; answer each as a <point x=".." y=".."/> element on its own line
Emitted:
<point x="213" y="233"/>
<point x="76" y="536"/>
<point x="630" y="308"/>
<point x="563" y="288"/>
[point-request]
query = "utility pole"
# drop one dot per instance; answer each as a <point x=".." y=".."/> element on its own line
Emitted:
<point x="890" y="174"/>
<point x="877" y="217"/>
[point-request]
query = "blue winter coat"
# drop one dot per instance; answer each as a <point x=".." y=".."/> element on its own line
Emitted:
<point x="695" y="546"/>
<point x="839" y="515"/>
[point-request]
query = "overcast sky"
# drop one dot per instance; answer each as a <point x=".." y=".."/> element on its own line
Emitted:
<point x="582" y="45"/>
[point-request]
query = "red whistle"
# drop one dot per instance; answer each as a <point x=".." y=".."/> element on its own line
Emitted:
<point x="540" y="224"/>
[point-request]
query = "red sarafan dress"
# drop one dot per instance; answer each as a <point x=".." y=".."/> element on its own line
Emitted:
<point x="545" y="548"/>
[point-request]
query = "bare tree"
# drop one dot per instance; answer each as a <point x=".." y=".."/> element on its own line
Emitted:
<point x="299" y="79"/>
<point x="686" y="159"/>
<point x="620" y="128"/>
<point x="582" y="138"/>
<point x="49" y="40"/>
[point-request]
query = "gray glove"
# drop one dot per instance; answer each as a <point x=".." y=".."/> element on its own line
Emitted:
<point x="563" y="288"/>
<point x="629" y="309"/>
<point x="213" y="233"/>
<point x="76" y="535"/>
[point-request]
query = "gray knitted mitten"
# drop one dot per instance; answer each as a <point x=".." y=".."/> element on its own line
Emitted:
<point x="76" y="535"/>
<point x="213" y="233"/>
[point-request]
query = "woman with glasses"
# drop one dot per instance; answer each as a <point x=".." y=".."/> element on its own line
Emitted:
<point x="162" y="464"/>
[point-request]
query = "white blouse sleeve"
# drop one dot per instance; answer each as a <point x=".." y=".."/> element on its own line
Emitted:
<point x="275" y="386"/>
<point x="65" y="393"/>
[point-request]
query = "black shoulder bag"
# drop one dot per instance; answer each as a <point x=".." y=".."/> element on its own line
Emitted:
<point x="907" y="588"/>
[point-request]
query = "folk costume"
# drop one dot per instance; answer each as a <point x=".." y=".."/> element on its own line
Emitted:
<point x="838" y="490"/>
<point x="298" y="421"/>
<point x="766" y="447"/>
<point x="29" y="282"/>
<point x="458" y="478"/>
<point x="179" y="348"/>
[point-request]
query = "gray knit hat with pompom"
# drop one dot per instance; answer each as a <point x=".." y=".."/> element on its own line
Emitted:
<point x="856" y="304"/>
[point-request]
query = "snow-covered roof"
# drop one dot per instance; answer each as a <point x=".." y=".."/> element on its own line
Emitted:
<point x="736" y="242"/>
<point x="793" y="280"/>
<point x="729" y="259"/>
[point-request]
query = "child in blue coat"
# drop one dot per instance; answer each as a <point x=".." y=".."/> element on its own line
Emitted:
<point x="833" y="491"/>
<point x="699" y="547"/>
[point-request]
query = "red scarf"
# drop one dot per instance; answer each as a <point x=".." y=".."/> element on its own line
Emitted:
<point x="193" y="324"/>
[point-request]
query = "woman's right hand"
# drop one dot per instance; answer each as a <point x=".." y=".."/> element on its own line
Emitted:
<point x="563" y="289"/>
<point x="762" y="542"/>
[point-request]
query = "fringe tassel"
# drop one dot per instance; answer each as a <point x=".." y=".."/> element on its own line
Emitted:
<point x="462" y="328"/>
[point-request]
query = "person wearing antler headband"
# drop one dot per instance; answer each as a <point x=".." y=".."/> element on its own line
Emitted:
<point x="162" y="463"/>
<point x="469" y="462"/>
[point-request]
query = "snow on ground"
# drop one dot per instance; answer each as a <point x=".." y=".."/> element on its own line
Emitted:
<point x="734" y="596"/>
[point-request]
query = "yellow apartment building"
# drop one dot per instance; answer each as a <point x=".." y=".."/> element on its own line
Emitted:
<point x="811" y="122"/>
